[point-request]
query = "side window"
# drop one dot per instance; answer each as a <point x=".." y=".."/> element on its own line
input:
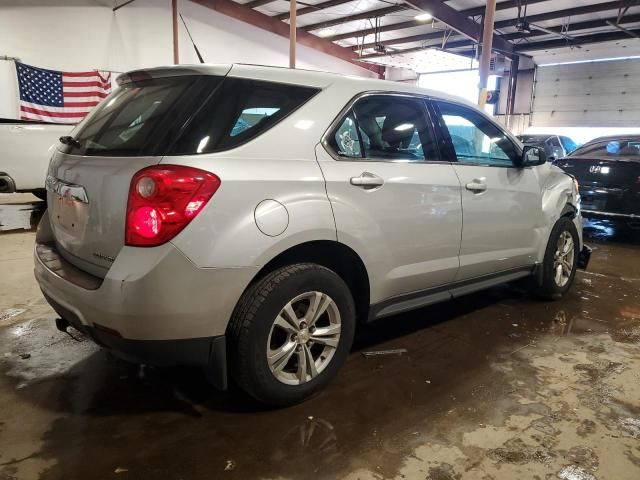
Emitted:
<point x="475" y="139"/>
<point x="554" y="142"/>
<point x="394" y="128"/>
<point x="568" y="144"/>
<point x="238" y="111"/>
<point x="344" y="140"/>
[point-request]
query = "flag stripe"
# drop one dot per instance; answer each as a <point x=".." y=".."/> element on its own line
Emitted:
<point x="44" y="118"/>
<point x="80" y="104"/>
<point x="47" y="108"/>
<point x="82" y="84"/>
<point x="81" y="74"/>
<point x="84" y="94"/>
<point x="49" y="113"/>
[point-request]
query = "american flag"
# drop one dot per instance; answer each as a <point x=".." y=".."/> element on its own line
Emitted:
<point x="59" y="97"/>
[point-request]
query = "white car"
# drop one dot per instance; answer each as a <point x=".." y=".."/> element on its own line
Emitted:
<point x="26" y="150"/>
<point x="248" y="218"/>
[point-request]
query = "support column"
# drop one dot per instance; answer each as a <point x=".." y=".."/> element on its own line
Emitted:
<point x="485" y="56"/>
<point x="292" y="33"/>
<point x="512" y="90"/>
<point x="174" y="10"/>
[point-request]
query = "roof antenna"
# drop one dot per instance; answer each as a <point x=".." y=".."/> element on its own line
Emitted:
<point x="191" y="38"/>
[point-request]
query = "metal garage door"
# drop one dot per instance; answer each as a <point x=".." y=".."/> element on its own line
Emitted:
<point x="602" y="94"/>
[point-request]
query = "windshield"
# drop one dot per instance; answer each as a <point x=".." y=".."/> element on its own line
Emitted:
<point x="610" y="149"/>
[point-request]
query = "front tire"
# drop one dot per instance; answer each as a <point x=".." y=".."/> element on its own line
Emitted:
<point x="290" y="333"/>
<point x="560" y="260"/>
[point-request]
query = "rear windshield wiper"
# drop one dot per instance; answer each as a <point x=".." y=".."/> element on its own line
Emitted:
<point x="69" y="140"/>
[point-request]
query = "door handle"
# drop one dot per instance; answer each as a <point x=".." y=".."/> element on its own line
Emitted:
<point x="477" y="185"/>
<point x="367" y="180"/>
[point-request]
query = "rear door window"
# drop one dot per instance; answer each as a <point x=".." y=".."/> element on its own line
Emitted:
<point x="395" y="128"/>
<point x="388" y="128"/>
<point x="344" y="140"/>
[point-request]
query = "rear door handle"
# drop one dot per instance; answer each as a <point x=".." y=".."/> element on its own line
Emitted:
<point x="477" y="185"/>
<point x="367" y="180"/>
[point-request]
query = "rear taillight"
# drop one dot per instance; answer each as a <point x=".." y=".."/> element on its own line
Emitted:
<point x="163" y="199"/>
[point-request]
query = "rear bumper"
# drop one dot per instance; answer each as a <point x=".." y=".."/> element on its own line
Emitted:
<point x="153" y="306"/>
<point x="209" y="352"/>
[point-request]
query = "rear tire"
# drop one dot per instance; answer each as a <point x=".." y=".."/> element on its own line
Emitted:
<point x="560" y="260"/>
<point x="281" y="353"/>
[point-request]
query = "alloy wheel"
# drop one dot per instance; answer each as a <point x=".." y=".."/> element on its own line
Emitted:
<point x="563" y="259"/>
<point x="303" y="338"/>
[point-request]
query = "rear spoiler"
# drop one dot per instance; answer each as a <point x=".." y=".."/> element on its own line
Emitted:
<point x="175" y="71"/>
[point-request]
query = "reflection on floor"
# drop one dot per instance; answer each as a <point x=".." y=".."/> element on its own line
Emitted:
<point x="496" y="385"/>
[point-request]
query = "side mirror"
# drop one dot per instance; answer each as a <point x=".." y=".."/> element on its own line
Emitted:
<point x="532" y="156"/>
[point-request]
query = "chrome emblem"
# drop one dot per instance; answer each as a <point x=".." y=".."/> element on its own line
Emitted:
<point x="67" y="190"/>
<point x="595" y="169"/>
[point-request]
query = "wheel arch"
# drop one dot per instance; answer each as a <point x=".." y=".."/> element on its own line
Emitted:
<point x="336" y="256"/>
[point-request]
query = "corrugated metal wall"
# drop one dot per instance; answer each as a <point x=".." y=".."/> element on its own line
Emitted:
<point x="601" y="94"/>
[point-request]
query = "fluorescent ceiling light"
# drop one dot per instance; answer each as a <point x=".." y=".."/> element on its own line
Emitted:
<point x="327" y="32"/>
<point x="423" y="17"/>
<point x="597" y="60"/>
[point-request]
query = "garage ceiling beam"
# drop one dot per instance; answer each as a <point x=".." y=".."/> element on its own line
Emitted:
<point x="460" y="22"/>
<point x="258" y="3"/>
<point x="380" y="12"/>
<point x="570" y="12"/>
<point x="315" y="8"/>
<point x="118" y="7"/>
<point x="265" y="22"/>
<point x="505" y="5"/>
<point x="574" y="27"/>
<point x="471" y="12"/>
<point x="581" y="40"/>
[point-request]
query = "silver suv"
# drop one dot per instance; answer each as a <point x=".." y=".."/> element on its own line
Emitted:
<point x="247" y="219"/>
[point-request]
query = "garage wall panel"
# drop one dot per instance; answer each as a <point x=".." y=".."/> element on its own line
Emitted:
<point x="79" y="35"/>
<point x="598" y="94"/>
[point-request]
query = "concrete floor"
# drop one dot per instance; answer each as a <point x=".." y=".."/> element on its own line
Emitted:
<point x="494" y="386"/>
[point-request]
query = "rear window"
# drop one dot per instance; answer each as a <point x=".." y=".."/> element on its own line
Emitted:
<point x="611" y="148"/>
<point x="184" y="115"/>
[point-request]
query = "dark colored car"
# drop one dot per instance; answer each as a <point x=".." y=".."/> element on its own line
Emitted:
<point x="608" y="170"/>
<point x="556" y="146"/>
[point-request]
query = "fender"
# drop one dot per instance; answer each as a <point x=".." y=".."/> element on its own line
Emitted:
<point x="559" y="198"/>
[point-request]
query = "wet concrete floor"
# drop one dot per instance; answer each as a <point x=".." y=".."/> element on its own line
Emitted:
<point x="493" y="386"/>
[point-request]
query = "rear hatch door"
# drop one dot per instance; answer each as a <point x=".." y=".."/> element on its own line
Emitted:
<point x="90" y="175"/>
